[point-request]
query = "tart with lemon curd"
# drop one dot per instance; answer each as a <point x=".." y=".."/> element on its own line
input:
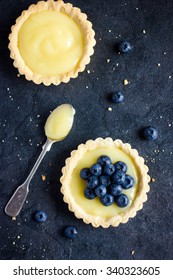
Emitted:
<point x="51" y="42"/>
<point x="91" y="210"/>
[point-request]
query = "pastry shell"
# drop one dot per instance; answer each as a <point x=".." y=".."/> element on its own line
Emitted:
<point x="79" y="17"/>
<point x="141" y="195"/>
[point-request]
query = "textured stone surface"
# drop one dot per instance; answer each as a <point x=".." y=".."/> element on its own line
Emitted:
<point x="25" y="106"/>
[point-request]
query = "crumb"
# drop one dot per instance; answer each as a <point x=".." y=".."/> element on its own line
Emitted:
<point x="100" y="39"/>
<point x="15" y="138"/>
<point x="110" y="31"/>
<point x="125" y="82"/>
<point x="38" y="116"/>
<point x="88" y="71"/>
<point x="158" y="64"/>
<point x="18" y="75"/>
<point x="14" y="242"/>
<point x="26" y="201"/>
<point x="169" y="124"/>
<point x="132" y="252"/>
<point x="18" y="237"/>
<point x="170" y="77"/>
<point x="161" y="117"/>
<point x="117" y="64"/>
<point x="164" y="53"/>
<point x="13" y="218"/>
<point x="137" y="8"/>
<point x="107" y="60"/>
<point x="143" y="31"/>
<point x="43" y="177"/>
<point x="153" y="180"/>
<point x="3" y="141"/>
<point x="110" y="109"/>
<point x="86" y="86"/>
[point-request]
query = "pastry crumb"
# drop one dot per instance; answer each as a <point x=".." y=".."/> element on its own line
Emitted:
<point x="14" y="242"/>
<point x="164" y="53"/>
<point x="18" y="237"/>
<point x="43" y="177"/>
<point x="18" y="75"/>
<point x="110" y="109"/>
<point x="88" y="71"/>
<point x="13" y="218"/>
<point x="170" y="77"/>
<point x="153" y="180"/>
<point x="132" y="252"/>
<point x="158" y="64"/>
<point x="108" y="60"/>
<point x="125" y="82"/>
<point x="143" y="31"/>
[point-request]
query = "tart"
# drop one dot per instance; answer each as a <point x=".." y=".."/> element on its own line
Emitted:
<point x="91" y="210"/>
<point x="51" y="42"/>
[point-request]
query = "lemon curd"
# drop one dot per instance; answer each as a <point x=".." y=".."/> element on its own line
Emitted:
<point x="77" y="185"/>
<point x="60" y="122"/>
<point x="51" y="43"/>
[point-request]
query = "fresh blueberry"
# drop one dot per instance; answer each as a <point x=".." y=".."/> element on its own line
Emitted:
<point x="122" y="200"/>
<point x="96" y="169"/>
<point x="70" y="232"/>
<point x="125" y="47"/>
<point x="92" y="182"/>
<point x="89" y="193"/>
<point x="104" y="180"/>
<point x="85" y="173"/>
<point x="41" y="216"/>
<point x="117" y="97"/>
<point x="107" y="199"/>
<point x="104" y="160"/>
<point x="150" y="133"/>
<point x="128" y="182"/>
<point x="118" y="177"/>
<point x="120" y="165"/>
<point x="115" y="189"/>
<point x="100" y="190"/>
<point x="109" y="169"/>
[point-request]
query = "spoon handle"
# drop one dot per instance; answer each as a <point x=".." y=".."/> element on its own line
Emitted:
<point x="17" y="200"/>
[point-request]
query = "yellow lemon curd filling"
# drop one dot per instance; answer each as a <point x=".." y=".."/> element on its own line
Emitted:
<point x="51" y="43"/>
<point x="77" y="185"/>
<point x="60" y="122"/>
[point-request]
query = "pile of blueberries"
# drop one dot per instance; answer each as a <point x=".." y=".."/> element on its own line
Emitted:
<point x="107" y="181"/>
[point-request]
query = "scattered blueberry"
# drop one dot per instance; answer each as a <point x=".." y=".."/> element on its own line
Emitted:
<point x="150" y="133"/>
<point x="104" y="180"/>
<point x="122" y="200"/>
<point x="115" y="189"/>
<point x="96" y="169"/>
<point x="89" y="193"/>
<point x="128" y="182"/>
<point x="118" y="177"/>
<point x="120" y="165"/>
<point x="92" y="182"/>
<point x="85" y="173"/>
<point x="107" y="199"/>
<point x="100" y="190"/>
<point x="125" y="47"/>
<point x="109" y="169"/>
<point x="104" y="160"/>
<point x="70" y="232"/>
<point x="117" y="97"/>
<point x="41" y="216"/>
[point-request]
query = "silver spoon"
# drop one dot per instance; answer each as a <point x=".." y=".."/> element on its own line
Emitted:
<point x="17" y="200"/>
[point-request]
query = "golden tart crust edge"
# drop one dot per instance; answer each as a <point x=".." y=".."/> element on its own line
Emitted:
<point x="141" y="195"/>
<point x="74" y="13"/>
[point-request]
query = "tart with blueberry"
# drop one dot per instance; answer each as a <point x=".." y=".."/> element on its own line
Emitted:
<point x="51" y="42"/>
<point x="105" y="182"/>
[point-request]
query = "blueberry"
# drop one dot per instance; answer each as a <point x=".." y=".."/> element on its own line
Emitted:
<point x="128" y="182"/>
<point x="104" y="160"/>
<point x="117" y="97"/>
<point x="109" y="169"/>
<point x="41" y="216"/>
<point x="104" y="180"/>
<point x="122" y="200"/>
<point x="96" y="169"/>
<point x="150" y="133"/>
<point x="70" y="232"/>
<point x="100" y="190"/>
<point x="107" y="199"/>
<point x="118" y="177"/>
<point x="120" y="165"/>
<point x="92" y="182"/>
<point x="115" y="189"/>
<point x="89" y="193"/>
<point x="125" y="47"/>
<point x="85" y="173"/>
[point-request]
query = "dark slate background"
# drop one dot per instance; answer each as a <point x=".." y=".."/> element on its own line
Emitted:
<point x="25" y="106"/>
